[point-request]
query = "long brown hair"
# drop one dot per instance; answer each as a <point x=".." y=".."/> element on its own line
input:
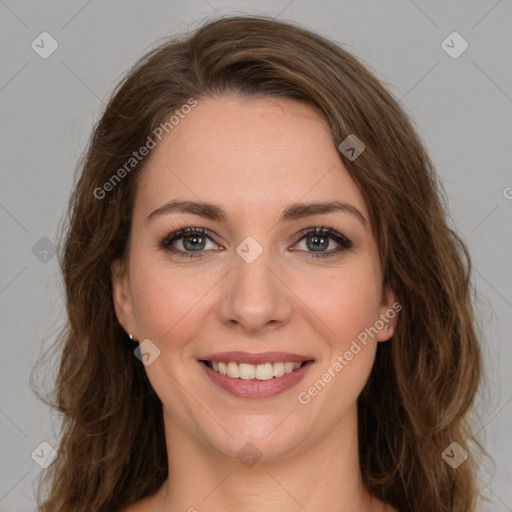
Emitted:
<point x="424" y="381"/>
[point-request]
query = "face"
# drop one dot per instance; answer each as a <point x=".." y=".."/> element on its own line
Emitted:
<point x="254" y="275"/>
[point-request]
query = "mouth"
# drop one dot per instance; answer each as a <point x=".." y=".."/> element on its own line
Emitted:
<point x="246" y="375"/>
<point x="247" y="371"/>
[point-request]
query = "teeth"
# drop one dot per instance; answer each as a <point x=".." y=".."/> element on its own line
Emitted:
<point x="289" y="367"/>
<point x="233" y="371"/>
<point x="246" y="371"/>
<point x="278" y="369"/>
<point x="265" y="371"/>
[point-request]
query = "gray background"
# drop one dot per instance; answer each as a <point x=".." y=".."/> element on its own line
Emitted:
<point x="462" y="108"/>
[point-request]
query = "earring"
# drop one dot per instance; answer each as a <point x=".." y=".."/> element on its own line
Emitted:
<point x="130" y="336"/>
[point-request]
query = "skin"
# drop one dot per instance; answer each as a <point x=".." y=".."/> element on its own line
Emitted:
<point x="254" y="157"/>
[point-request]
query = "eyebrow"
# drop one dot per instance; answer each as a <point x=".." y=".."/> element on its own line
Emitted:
<point x="292" y="212"/>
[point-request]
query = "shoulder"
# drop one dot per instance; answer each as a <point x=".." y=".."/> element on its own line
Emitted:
<point x="138" y="506"/>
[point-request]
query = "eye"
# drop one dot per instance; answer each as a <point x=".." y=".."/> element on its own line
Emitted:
<point x="191" y="240"/>
<point x="318" y="240"/>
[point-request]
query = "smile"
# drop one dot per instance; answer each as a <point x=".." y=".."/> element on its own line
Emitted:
<point x="245" y="371"/>
<point x="255" y="381"/>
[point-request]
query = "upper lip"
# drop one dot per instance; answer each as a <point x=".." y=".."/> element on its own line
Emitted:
<point x="255" y="358"/>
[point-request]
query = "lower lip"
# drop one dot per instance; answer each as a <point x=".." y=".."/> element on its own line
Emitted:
<point x="257" y="388"/>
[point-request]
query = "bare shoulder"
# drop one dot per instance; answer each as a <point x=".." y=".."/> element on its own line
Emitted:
<point x="139" y="506"/>
<point x="144" y="505"/>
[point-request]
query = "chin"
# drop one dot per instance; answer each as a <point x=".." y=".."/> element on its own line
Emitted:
<point x="260" y="436"/>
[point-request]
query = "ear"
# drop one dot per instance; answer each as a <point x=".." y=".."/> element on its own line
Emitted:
<point x="388" y="315"/>
<point x="122" y="298"/>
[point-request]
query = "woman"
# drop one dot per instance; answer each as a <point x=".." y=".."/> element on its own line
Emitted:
<point x="267" y="308"/>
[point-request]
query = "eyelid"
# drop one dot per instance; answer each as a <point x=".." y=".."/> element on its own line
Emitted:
<point x="167" y="239"/>
<point x="343" y="242"/>
<point x="180" y="232"/>
<point x="321" y="230"/>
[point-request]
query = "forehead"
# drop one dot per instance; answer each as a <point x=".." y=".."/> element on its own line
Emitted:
<point x="247" y="154"/>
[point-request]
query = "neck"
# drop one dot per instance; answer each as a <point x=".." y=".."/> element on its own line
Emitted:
<point x="312" y="477"/>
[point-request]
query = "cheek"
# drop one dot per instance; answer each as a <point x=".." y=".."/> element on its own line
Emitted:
<point x="347" y="303"/>
<point x="349" y="308"/>
<point x="353" y="307"/>
<point x="167" y="301"/>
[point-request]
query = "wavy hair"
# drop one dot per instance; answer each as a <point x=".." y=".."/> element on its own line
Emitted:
<point x="424" y="381"/>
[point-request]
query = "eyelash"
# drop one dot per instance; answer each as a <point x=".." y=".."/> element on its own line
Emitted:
<point x="166" y="242"/>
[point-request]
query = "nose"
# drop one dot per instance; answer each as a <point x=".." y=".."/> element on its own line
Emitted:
<point x="255" y="296"/>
